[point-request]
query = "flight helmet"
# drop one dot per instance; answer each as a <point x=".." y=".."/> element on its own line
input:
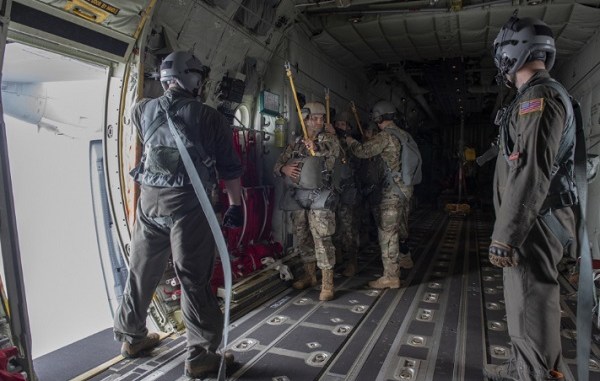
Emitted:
<point x="313" y="108"/>
<point x="185" y="69"/>
<point x="520" y="41"/>
<point x="383" y="110"/>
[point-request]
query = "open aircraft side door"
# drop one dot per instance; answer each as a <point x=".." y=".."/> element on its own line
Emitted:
<point x="107" y="33"/>
<point x="107" y="30"/>
<point x="14" y="322"/>
<point x="95" y="31"/>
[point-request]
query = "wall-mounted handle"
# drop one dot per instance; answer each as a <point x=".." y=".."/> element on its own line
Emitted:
<point x="264" y="122"/>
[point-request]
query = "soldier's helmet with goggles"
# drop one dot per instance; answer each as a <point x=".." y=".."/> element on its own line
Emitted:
<point x="521" y="40"/>
<point x="383" y="110"/>
<point x="313" y="108"/>
<point x="185" y="69"/>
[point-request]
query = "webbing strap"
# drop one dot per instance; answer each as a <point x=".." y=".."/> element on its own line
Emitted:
<point x="157" y="122"/>
<point x="161" y="118"/>
<point x="206" y="159"/>
<point x="570" y="122"/>
<point x="556" y="227"/>
<point x="215" y="229"/>
<point x="585" y="288"/>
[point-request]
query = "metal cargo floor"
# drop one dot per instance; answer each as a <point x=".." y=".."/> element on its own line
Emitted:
<point x="446" y="324"/>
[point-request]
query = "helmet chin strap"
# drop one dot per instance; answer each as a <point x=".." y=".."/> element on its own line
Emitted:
<point x="511" y="81"/>
<point x="505" y="79"/>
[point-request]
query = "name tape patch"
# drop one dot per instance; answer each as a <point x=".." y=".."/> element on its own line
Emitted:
<point x="531" y="105"/>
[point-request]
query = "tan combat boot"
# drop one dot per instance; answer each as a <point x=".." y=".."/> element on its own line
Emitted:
<point x="385" y="282"/>
<point x="390" y="278"/>
<point x="351" y="268"/>
<point x="141" y="348"/>
<point x="327" y="285"/>
<point x="309" y="278"/>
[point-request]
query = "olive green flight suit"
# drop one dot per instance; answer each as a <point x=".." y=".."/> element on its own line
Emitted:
<point x="521" y="184"/>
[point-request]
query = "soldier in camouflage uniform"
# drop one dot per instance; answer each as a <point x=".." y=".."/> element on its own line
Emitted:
<point x="314" y="219"/>
<point x="369" y="177"/>
<point x="392" y="193"/>
<point x="346" y="234"/>
<point x="533" y="185"/>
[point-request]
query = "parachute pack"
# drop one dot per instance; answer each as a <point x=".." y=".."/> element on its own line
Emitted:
<point x="411" y="157"/>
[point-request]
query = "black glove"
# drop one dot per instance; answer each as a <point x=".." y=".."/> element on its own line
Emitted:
<point x="503" y="255"/>
<point x="233" y="217"/>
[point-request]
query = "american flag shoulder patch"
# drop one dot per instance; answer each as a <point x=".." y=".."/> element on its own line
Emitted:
<point x="531" y="105"/>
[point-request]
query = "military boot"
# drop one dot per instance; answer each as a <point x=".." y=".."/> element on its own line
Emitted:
<point x="351" y="268"/>
<point x="309" y="278"/>
<point x="207" y="364"/>
<point x="385" y="282"/>
<point x="390" y="278"/>
<point x="327" y="285"/>
<point x="141" y="348"/>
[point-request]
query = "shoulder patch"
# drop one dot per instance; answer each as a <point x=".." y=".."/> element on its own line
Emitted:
<point x="531" y="105"/>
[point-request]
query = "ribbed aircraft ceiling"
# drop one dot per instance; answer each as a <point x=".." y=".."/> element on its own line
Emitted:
<point x="392" y="35"/>
<point x="442" y="46"/>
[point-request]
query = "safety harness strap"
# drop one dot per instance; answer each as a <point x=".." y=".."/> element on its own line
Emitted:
<point x="156" y="122"/>
<point x="214" y="227"/>
<point x="161" y="117"/>
<point x="585" y="288"/>
<point x="559" y="200"/>
<point x="556" y="228"/>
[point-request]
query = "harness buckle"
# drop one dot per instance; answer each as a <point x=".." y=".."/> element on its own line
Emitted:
<point x="567" y="198"/>
<point x="209" y="162"/>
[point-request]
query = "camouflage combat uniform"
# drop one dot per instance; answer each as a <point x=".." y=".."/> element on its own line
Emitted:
<point x="314" y="228"/>
<point x="388" y="212"/>
<point x="369" y="176"/>
<point x="347" y="216"/>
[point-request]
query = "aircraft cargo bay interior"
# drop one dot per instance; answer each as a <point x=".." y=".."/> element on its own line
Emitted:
<point x="300" y="190"/>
